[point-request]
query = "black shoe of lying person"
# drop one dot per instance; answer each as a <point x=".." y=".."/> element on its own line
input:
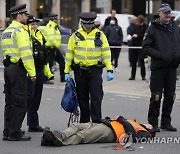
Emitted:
<point x="50" y="137"/>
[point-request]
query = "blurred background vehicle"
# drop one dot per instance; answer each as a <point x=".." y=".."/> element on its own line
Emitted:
<point x="123" y="21"/>
<point x="176" y="15"/>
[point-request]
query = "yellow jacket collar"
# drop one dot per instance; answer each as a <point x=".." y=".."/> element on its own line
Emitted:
<point x="52" y="23"/>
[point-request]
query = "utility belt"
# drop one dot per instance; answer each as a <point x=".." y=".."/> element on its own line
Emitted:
<point x="7" y="62"/>
<point x="75" y="67"/>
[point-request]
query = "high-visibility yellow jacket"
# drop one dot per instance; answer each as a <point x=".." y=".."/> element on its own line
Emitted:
<point x="16" y="43"/>
<point x="38" y="36"/>
<point x="52" y="35"/>
<point x="43" y="30"/>
<point x="85" y="52"/>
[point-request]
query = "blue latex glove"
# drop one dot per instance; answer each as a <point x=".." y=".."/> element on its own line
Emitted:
<point x="67" y="77"/>
<point x="109" y="76"/>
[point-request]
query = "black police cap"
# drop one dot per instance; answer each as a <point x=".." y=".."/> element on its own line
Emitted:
<point x="87" y="16"/>
<point x="21" y="8"/>
<point x="31" y="19"/>
<point x="52" y="16"/>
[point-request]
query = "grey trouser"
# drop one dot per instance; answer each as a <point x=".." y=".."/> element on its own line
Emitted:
<point x="88" y="133"/>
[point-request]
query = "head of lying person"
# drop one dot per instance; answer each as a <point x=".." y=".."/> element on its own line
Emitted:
<point x="149" y="128"/>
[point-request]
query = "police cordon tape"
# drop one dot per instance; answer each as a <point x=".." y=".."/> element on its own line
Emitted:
<point x="122" y="47"/>
<point x="126" y="47"/>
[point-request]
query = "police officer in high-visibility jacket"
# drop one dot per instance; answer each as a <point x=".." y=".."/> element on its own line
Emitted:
<point x="18" y="62"/>
<point x="88" y="51"/>
<point x="35" y="88"/>
<point x="42" y="26"/>
<point x="53" y="38"/>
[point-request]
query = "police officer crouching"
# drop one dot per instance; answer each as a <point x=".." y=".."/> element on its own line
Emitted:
<point x="88" y="52"/>
<point x="42" y="68"/>
<point x="18" y="62"/>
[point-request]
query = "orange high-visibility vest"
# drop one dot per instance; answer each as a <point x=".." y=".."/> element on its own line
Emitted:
<point x="119" y="129"/>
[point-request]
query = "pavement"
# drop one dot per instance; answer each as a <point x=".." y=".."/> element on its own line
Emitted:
<point x="128" y="98"/>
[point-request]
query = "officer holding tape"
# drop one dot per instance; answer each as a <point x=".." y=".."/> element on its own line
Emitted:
<point x="88" y="52"/>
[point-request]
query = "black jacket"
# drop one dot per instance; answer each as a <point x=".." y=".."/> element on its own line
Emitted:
<point x="140" y="31"/>
<point x="114" y="34"/>
<point x="162" y="44"/>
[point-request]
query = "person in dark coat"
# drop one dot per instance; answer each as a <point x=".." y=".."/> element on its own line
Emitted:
<point x="137" y="38"/>
<point x="115" y="37"/>
<point x="130" y="31"/>
<point x="108" y="19"/>
<point x="161" y="43"/>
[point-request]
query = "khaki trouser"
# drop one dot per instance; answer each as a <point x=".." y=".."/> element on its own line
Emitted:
<point x="89" y="132"/>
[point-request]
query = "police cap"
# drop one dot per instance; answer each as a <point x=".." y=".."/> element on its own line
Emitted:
<point x="21" y="8"/>
<point x="165" y="8"/>
<point x="31" y="19"/>
<point x="87" y="17"/>
<point x="52" y="16"/>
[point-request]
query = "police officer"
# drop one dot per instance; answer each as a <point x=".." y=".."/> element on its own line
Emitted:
<point x="161" y="43"/>
<point x="35" y="88"/>
<point x="53" y="38"/>
<point x="18" y="62"/>
<point x="88" y="51"/>
<point x="42" y="26"/>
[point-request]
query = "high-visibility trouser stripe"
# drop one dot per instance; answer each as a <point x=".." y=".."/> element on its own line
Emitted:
<point x="88" y="58"/>
<point x="27" y="58"/>
<point x="88" y="49"/>
<point x="25" y="48"/>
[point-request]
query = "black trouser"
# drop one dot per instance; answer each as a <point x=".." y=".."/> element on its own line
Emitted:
<point x="55" y="54"/>
<point x="162" y="80"/>
<point x="135" y="54"/>
<point x="34" y="93"/>
<point x="115" y="56"/>
<point x="89" y="87"/>
<point x="15" y="89"/>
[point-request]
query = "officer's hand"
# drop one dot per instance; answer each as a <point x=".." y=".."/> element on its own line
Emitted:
<point x="33" y="78"/>
<point x="109" y="76"/>
<point x="67" y="77"/>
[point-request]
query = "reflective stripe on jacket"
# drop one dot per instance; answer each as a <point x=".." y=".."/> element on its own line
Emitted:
<point x="119" y="129"/>
<point x="85" y="53"/>
<point x="53" y="35"/>
<point x="16" y="43"/>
